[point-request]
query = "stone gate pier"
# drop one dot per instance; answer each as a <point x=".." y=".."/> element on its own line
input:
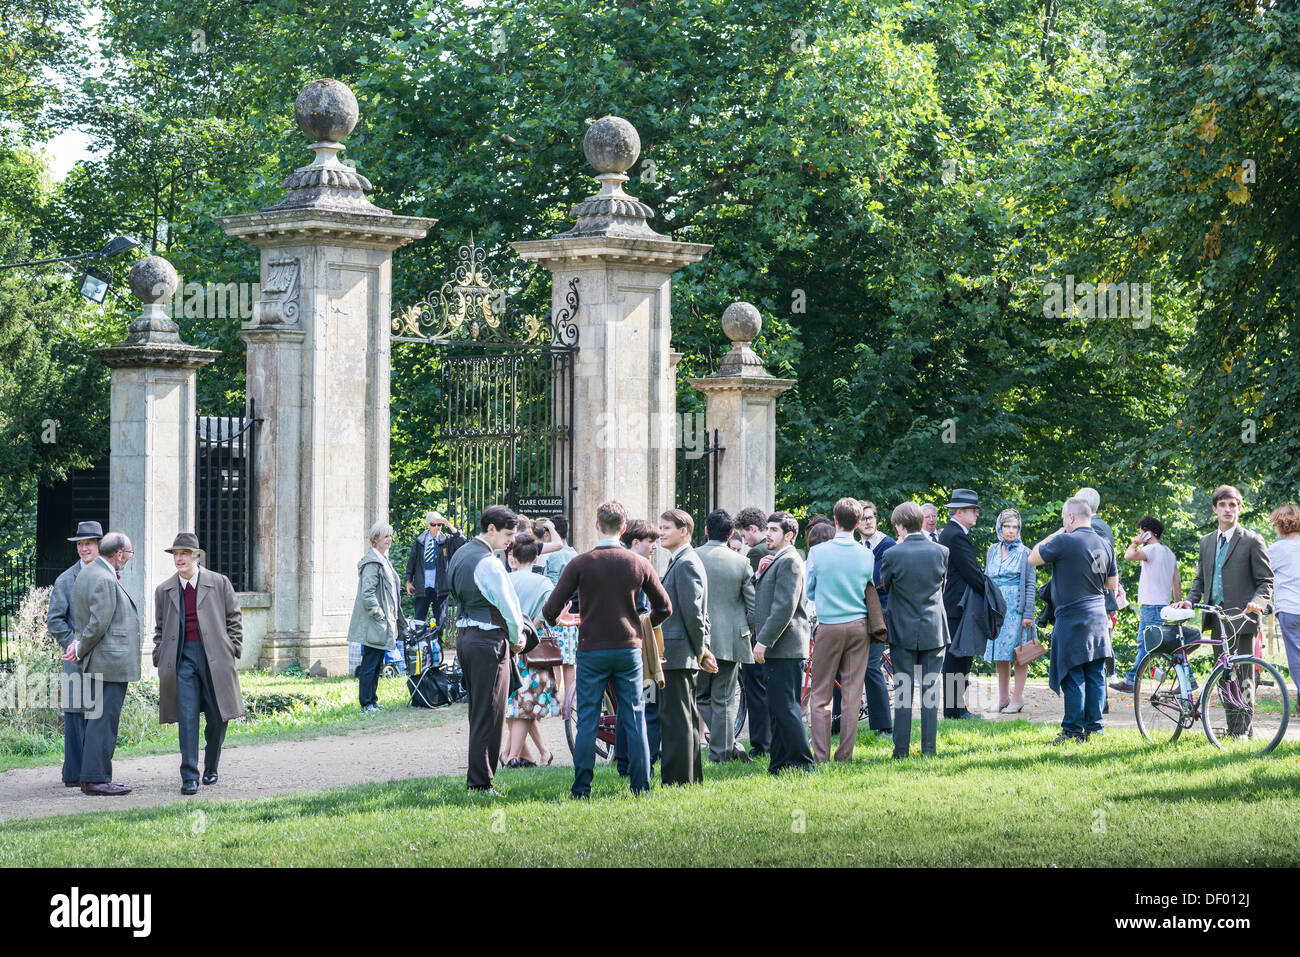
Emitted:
<point x="318" y="369"/>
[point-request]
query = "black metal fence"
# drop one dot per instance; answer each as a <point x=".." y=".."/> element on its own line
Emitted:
<point x="16" y="579"/>
<point x="697" y="481"/>
<point x="225" y="494"/>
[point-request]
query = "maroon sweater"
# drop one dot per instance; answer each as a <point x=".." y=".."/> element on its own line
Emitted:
<point x="607" y="581"/>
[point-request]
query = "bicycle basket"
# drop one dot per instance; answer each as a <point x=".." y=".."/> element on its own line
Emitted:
<point x="1169" y="638"/>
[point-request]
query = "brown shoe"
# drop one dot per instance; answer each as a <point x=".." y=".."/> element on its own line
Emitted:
<point x="106" y="788"/>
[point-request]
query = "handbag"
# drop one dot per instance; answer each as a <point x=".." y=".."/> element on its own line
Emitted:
<point x="545" y="654"/>
<point x="1030" y="650"/>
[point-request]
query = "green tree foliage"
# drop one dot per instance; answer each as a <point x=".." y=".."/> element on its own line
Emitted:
<point x="893" y="184"/>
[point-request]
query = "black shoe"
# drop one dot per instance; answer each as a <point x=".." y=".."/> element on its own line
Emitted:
<point x="209" y="777"/>
<point x="1065" y="736"/>
<point x="489" y="790"/>
<point x="580" y="796"/>
<point x="189" y="787"/>
<point x="965" y="713"/>
<point x="740" y="754"/>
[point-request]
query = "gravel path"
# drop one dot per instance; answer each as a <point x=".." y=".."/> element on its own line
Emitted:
<point x="431" y="743"/>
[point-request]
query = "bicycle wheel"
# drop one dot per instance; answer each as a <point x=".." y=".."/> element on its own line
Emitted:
<point x="1158" y="703"/>
<point x="605" y="728"/>
<point x="741" y="709"/>
<point x="1239" y="716"/>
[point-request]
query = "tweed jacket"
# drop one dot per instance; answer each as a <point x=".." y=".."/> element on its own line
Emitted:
<point x="913" y="573"/>
<point x="731" y="601"/>
<point x="1247" y="577"/>
<point x="781" y="607"/>
<point x="108" y="625"/>
<point x="686" y="632"/>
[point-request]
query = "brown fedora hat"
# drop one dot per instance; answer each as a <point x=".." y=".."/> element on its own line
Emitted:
<point x="185" y="541"/>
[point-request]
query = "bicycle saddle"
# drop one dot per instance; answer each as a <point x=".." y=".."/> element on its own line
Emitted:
<point x="1174" y="615"/>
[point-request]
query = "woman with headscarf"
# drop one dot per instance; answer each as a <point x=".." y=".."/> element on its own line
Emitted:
<point x="1008" y="565"/>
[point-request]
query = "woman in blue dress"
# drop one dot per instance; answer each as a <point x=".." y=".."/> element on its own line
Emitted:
<point x="1008" y="565"/>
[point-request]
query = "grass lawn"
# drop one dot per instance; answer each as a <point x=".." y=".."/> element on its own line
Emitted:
<point x="996" y="795"/>
<point x="327" y="706"/>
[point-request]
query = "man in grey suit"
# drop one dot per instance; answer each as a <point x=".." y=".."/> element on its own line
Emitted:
<point x="686" y="650"/>
<point x="107" y="647"/>
<point x="62" y="626"/>
<point x="731" y="621"/>
<point x="913" y="573"/>
<point x="781" y="615"/>
<point x="1233" y="571"/>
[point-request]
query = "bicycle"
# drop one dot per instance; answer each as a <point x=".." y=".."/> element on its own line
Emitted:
<point x="1233" y="713"/>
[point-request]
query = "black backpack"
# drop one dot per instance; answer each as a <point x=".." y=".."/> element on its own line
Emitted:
<point x="437" y="687"/>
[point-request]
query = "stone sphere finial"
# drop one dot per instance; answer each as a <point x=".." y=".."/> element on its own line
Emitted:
<point x="741" y="322"/>
<point x="153" y="279"/>
<point x="611" y="145"/>
<point x="326" y="110"/>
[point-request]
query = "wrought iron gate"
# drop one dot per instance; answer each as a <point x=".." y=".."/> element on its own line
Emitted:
<point x="505" y="380"/>
<point x="697" y="482"/>
<point x="223" y="494"/>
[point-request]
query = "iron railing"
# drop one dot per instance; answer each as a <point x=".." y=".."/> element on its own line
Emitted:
<point x="17" y="577"/>
<point x="697" y="482"/>
<point x="224" y="498"/>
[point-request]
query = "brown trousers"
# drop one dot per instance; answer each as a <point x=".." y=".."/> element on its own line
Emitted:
<point x="839" y="648"/>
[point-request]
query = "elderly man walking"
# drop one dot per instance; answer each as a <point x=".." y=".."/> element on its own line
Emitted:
<point x="62" y="626"/>
<point x="1083" y="567"/>
<point x="198" y="634"/>
<point x="107" y="647"/>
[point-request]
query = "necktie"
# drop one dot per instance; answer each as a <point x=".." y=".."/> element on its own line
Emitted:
<point x="429" y="547"/>
<point x="1216" y="587"/>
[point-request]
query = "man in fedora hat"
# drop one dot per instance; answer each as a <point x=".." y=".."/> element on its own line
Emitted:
<point x="62" y="626"/>
<point x="106" y="645"/>
<point x="198" y="633"/>
<point x="963" y="570"/>
<point x="426" y="567"/>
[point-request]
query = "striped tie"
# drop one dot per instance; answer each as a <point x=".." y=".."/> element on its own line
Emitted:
<point x="429" y="548"/>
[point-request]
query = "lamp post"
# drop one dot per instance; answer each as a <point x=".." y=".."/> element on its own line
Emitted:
<point x="92" y="286"/>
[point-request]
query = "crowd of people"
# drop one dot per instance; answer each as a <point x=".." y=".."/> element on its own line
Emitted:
<point x="745" y="607"/>
<point x="543" y="629"/>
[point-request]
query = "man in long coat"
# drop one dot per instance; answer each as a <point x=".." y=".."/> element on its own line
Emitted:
<point x="198" y="635"/>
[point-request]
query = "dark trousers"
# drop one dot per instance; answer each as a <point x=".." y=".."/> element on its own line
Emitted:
<point x="680" y="726"/>
<point x="879" y="713"/>
<point x="753" y="679"/>
<point x="485" y="662"/>
<point x="906" y="685"/>
<point x="74" y="742"/>
<point x="194" y="693"/>
<point x="619" y="670"/>
<point x="789" y="740"/>
<point x="650" y="696"/>
<point x="431" y="605"/>
<point x="372" y="662"/>
<point x="101" y="734"/>
<point x="956" y="675"/>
